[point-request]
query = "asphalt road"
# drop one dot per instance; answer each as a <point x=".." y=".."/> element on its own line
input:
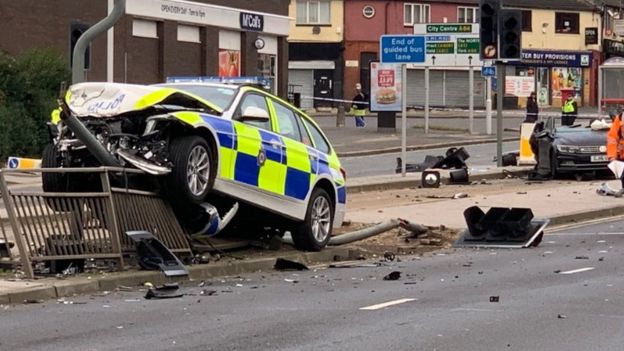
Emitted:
<point x="481" y="157"/>
<point x="563" y="295"/>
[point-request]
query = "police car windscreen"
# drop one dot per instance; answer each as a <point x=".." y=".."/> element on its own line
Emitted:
<point x="220" y="96"/>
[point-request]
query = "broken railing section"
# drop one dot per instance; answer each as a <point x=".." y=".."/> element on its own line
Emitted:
<point x="62" y="229"/>
<point x="502" y="227"/>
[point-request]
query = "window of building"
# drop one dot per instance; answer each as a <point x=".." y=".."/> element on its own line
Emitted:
<point x="527" y="21"/>
<point x="313" y="12"/>
<point x="467" y="14"/>
<point x="144" y="29"/>
<point x="567" y="22"/>
<point x="189" y="34"/>
<point x="416" y="13"/>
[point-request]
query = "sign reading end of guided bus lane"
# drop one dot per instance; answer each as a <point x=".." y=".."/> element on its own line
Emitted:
<point x="402" y="48"/>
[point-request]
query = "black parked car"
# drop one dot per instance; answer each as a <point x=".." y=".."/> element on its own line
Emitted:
<point x="574" y="149"/>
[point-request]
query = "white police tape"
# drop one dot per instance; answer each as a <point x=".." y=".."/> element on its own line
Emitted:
<point x="334" y="100"/>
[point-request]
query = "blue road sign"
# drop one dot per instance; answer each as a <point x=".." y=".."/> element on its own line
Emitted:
<point x="13" y="163"/>
<point x="488" y="71"/>
<point x="402" y="48"/>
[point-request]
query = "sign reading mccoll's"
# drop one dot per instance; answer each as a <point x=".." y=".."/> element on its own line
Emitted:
<point x="251" y="21"/>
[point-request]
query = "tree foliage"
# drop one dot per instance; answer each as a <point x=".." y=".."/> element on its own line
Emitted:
<point x="29" y="87"/>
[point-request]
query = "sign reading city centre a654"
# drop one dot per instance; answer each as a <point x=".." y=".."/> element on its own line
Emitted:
<point x="452" y="45"/>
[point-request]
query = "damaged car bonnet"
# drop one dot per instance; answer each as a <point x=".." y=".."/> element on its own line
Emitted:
<point x="113" y="99"/>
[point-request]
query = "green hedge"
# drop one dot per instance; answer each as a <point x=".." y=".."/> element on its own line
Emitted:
<point x="29" y="87"/>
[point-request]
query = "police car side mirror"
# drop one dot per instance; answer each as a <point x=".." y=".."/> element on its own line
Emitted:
<point x="253" y="113"/>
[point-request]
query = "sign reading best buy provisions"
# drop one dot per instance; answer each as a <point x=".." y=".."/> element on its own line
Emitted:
<point x="551" y="58"/>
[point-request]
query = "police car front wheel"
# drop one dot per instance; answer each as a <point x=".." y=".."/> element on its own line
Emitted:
<point x="314" y="232"/>
<point x="192" y="176"/>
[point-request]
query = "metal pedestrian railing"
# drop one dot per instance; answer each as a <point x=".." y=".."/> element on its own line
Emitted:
<point x="50" y="226"/>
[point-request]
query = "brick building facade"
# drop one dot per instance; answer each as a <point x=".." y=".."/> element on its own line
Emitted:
<point x="156" y="39"/>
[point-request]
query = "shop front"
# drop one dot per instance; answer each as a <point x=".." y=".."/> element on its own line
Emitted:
<point x="557" y="74"/>
<point x="170" y="38"/>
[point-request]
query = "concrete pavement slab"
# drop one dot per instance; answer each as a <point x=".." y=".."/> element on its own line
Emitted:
<point x="569" y="200"/>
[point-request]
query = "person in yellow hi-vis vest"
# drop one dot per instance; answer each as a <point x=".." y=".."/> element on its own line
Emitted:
<point x="358" y="107"/>
<point x="569" y="111"/>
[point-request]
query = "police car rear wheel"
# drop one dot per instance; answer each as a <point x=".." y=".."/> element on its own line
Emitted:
<point x="314" y="232"/>
<point x="192" y="176"/>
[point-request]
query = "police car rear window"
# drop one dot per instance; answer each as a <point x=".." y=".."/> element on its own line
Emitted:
<point x="319" y="142"/>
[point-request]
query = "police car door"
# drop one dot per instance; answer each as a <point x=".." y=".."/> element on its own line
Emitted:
<point x="259" y="151"/>
<point x="301" y="163"/>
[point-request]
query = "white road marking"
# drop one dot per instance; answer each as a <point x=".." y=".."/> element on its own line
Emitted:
<point x="587" y="234"/>
<point x="386" y="304"/>
<point x="580" y="270"/>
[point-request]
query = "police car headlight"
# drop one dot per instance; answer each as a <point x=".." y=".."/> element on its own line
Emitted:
<point x="603" y="148"/>
<point x="569" y="149"/>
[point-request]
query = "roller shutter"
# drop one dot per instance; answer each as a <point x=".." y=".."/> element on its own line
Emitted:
<point x="416" y="88"/>
<point x="448" y="89"/>
<point x="457" y="89"/>
<point x="303" y="81"/>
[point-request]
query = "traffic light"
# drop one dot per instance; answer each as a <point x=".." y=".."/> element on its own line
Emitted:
<point x="488" y="36"/>
<point x="510" y="30"/>
<point x="75" y="32"/>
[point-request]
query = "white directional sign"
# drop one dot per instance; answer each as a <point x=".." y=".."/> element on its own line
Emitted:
<point x="450" y="44"/>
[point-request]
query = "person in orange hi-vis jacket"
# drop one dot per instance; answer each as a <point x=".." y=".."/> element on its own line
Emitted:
<point x="615" y="142"/>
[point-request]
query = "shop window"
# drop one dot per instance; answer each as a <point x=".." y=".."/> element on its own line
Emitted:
<point x="229" y="63"/>
<point x="189" y="34"/>
<point x="313" y="12"/>
<point x="527" y="21"/>
<point x="144" y="29"/>
<point x="467" y="14"/>
<point x="567" y="22"/>
<point x="416" y="13"/>
<point x="266" y="68"/>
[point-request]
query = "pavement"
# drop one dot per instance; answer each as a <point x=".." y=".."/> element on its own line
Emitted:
<point x="447" y="128"/>
<point x="580" y="199"/>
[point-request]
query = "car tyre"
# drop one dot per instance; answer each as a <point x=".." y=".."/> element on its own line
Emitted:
<point x="314" y="232"/>
<point x="193" y="173"/>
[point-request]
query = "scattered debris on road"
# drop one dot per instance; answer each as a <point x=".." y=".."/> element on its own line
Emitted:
<point x="396" y="275"/>
<point x="494" y="298"/>
<point x="562" y="316"/>
<point x="455" y="158"/>
<point x="282" y="264"/>
<point x="166" y="291"/>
